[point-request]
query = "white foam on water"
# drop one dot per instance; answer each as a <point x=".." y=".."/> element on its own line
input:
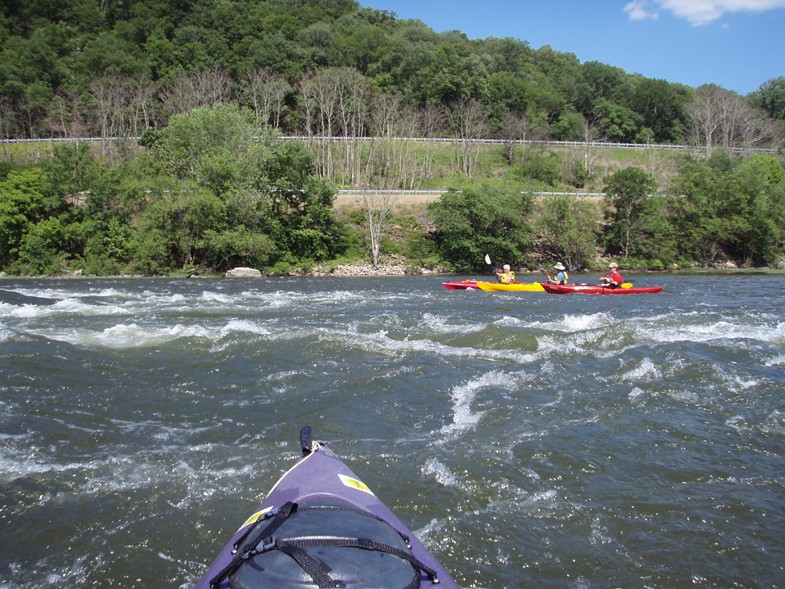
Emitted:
<point x="244" y="326"/>
<point x="775" y="423"/>
<point x="216" y="297"/>
<point x="576" y="343"/>
<point x="575" y="323"/>
<point x="129" y="335"/>
<point x="464" y="418"/>
<point x="682" y="331"/>
<point x="18" y="461"/>
<point x="440" y="324"/>
<point x="637" y="396"/>
<point x="50" y="293"/>
<point x="65" y="307"/>
<point x="134" y="335"/>
<point x="546" y="498"/>
<point x="380" y="342"/>
<point x="440" y="473"/>
<point x="776" y="361"/>
<point x="646" y="370"/>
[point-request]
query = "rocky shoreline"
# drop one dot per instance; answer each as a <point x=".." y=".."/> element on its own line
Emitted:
<point x="391" y="266"/>
<point x="394" y="266"/>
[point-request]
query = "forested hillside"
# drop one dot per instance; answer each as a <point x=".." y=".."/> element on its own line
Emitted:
<point x="113" y="68"/>
<point x="193" y="98"/>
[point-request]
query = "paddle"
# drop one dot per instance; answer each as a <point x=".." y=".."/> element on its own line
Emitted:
<point x="490" y="265"/>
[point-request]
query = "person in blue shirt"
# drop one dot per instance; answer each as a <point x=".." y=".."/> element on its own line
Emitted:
<point x="561" y="278"/>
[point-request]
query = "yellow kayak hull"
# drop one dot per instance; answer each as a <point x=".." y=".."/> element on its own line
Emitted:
<point x="520" y="286"/>
<point x="514" y="287"/>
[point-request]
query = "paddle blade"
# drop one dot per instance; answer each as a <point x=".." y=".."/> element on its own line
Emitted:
<point x="487" y="259"/>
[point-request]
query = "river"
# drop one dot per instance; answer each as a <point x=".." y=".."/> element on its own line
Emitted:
<point x="529" y="440"/>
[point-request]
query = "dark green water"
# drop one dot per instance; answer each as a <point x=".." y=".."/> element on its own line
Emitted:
<point x="529" y="440"/>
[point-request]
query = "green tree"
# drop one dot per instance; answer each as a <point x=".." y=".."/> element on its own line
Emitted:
<point x="180" y="222"/>
<point x="705" y="217"/>
<point x="628" y="207"/>
<point x="455" y="74"/>
<point x="598" y="82"/>
<point x="662" y="107"/>
<point x="44" y="248"/>
<point x="566" y="229"/>
<point x="616" y="122"/>
<point x="761" y="182"/>
<point x="771" y="98"/>
<point x="484" y="220"/>
<point x="21" y="206"/>
<point x="196" y="145"/>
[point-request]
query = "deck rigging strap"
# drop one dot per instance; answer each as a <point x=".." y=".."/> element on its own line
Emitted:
<point x="363" y="543"/>
<point x="265" y="541"/>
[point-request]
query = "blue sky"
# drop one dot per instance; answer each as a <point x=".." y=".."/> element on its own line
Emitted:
<point x="736" y="44"/>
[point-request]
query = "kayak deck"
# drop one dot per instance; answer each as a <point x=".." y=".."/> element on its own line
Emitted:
<point x="460" y="285"/>
<point x="514" y="287"/>
<point x="591" y="289"/>
<point x="321" y="524"/>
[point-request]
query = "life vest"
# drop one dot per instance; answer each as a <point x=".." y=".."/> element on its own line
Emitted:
<point x="507" y="277"/>
<point x="566" y="277"/>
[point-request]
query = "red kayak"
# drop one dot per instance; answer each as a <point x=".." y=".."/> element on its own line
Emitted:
<point x="590" y="289"/>
<point x="461" y="285"/>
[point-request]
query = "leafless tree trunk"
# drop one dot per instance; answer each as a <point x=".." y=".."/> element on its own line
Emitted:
<point x="377" y="207"/>
<point x="469" y="119"/>
<point x="112" y="99"/>
<point x="720" y="118"/>
<point x="143" y="95"/>
<point x="431" y="121"/>
<point x="200" y="90"/>
<point x="320" y="94"/>
<point x="267" y="93"/>
<point x="590" y="155"/>
<point x="513" y="131"/>
<point x="353" y="97"/>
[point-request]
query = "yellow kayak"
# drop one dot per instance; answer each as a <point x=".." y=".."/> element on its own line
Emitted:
<point x="521" y="286"/>
<point x="514" y="287"/>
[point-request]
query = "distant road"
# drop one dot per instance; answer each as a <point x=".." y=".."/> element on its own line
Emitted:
<point x="353" y="198"/>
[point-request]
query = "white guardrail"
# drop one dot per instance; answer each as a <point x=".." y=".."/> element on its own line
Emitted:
<point x="358" y="191"/>
<point x="433" y="140"/>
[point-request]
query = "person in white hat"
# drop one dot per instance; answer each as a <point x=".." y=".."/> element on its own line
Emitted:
<point x="561" y="277"/>
<point x="506" y="276"/>
<point x="612" y="279"/>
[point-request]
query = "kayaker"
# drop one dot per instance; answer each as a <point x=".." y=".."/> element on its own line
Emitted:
<point x="561" y="278"/>
<point x="612" y="279"/>
<point x="507" y="276"/>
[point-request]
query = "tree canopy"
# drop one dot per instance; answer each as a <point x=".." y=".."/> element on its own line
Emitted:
<point x="83" y="68"/>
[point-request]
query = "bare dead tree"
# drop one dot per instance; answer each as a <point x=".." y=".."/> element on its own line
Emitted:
<point x="590" y="154"/>
<point x="142" y="103"/>
<point x="320" y="92"/>
<point x="267" y="93"/>
<point x="431" y="122"/>
<point x="703" y="113"/>
<point x="202" y="89"/>
<point x="469" y="122"/>
<point x="353" y="96"/>
<point x="377" y="207"/>
<point x="379" y="149"/>
<point x="112" y="99"/>
<point x="721" y="118"/>
<point x="513" y="130"/>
